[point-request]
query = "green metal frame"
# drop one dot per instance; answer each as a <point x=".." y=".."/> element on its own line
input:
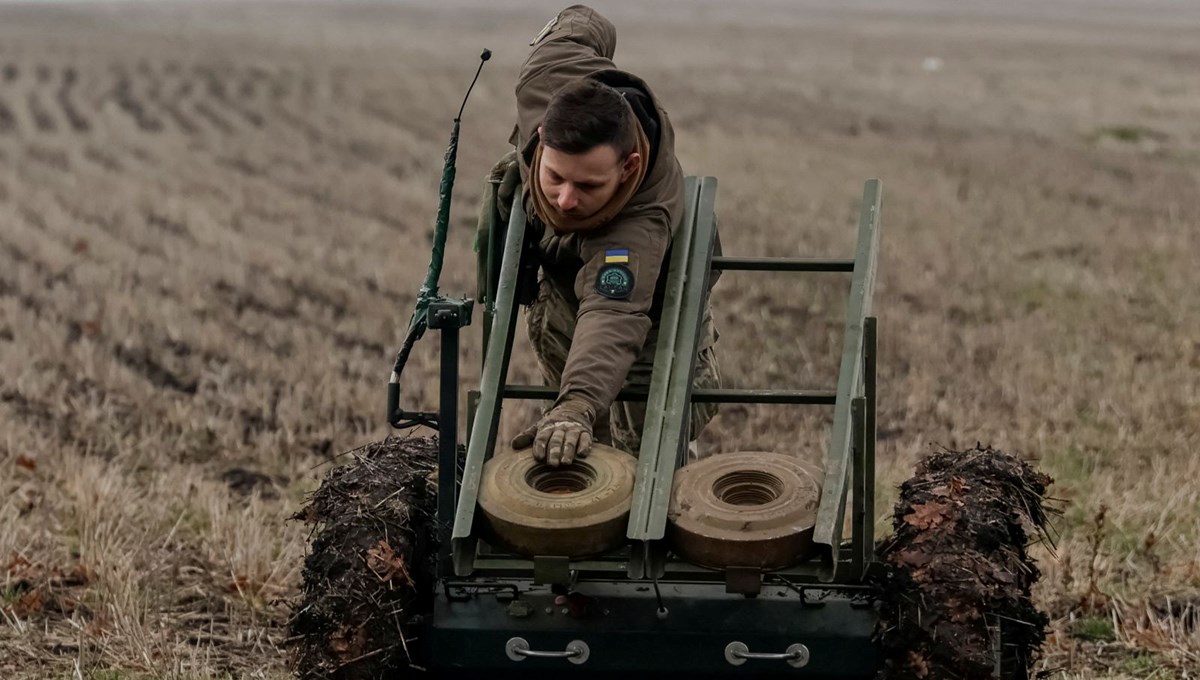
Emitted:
<point x="849" y="460"/>
<point x="850" y="423"/>
<point x="501" y="321"/>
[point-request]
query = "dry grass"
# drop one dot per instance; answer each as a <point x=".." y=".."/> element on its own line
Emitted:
<point x="213" y="219"/>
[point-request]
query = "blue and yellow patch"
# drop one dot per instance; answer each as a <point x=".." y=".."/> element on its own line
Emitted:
<point x="615" y="278"/>
<point x="616" y="256"/>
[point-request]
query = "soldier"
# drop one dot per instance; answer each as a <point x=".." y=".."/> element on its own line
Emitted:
<point x="595" y="154"/>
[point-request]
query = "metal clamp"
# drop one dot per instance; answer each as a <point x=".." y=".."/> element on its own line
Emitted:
<point x="577" y="651"/>
<point x="736" y="653"/>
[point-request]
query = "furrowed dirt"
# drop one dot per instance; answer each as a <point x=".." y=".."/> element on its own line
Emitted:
<point x="214" y="217"/>
<point x="959" y="579"/>
<point x="370" y="568"/>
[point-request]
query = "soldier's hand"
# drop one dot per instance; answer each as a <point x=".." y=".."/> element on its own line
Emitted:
<point x="561" y="436"/>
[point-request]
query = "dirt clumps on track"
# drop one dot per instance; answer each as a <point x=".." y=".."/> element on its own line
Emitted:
<point x="370" y="564"/>
<point x="957" y="586"/>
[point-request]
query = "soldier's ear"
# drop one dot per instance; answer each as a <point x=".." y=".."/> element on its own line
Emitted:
<point x="633" y="163"/>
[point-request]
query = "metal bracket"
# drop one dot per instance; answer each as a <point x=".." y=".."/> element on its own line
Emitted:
<point x="449" y="312"/>
<point x="743" y="581"/>
<point x="463" y="591"/>
<point x="551" y="570"/>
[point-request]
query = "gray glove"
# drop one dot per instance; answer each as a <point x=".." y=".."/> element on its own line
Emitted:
<point x="563" y="434"/>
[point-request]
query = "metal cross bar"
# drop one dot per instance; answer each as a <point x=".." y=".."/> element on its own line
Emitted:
<point x="781" y="264"/>
<point x="704" y="396"/>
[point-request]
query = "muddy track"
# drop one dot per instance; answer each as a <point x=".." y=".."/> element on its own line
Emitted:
<point x="195" y="443"/>
<point x="172" y="103"/>
<point x="40" y="415"/>
<point x="210" y="115"/>
<point x="42" y="119"/>
<point x="66" y="102"/>
<point x="103" y="159"/>
<point x="321" y="196"/>
<point x="215" y="85"/>
<point x="264" y="310"/>
<point x="155" y="85"/>
<point x="160" y="222"/>
<point x="166" y="296"/>
<point x="190" y="100"/>
<point x="336" y="305"/>
<point x="75" y="328"/>
<point x="243" y="301"/>
<point x="238" y="301"/>
<point x="143" y="362"/>
<point x="47" y="156"/>
<point x="8" y="122"/>
<point x="149" y="360"/>
<point x="106" y="225"/>
<point x="10" y="289"/>
<point x="311" y="133"/>
<point x="122" y="94"/>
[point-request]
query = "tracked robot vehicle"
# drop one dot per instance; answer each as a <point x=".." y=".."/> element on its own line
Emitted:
<point x="734" y="565"/>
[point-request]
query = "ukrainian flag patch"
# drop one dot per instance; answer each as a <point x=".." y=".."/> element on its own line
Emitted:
<point x="616" y="256"/>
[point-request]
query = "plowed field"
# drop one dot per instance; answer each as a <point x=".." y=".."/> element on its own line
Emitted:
<point x="214" y="218"/>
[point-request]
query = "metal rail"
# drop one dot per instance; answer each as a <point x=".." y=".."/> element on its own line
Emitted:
<point x="838" y="459"/>
<point x="780" y="264"/>
<point x="670" y="395"/>
<point x="487" y="412"/>
<point x="704" y="396"/>
<point x="673" y="443"/>
<point x="665" y="356"/>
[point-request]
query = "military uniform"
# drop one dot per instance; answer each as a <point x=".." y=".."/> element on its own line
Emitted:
<point x="594" y="322"/>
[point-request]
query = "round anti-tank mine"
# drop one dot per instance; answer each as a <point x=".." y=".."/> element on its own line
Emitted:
<point x="571" y="511"/>
<point x="745" y="509"/>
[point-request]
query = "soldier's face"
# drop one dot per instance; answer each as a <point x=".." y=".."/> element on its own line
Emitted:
<point x="581" y="184"/>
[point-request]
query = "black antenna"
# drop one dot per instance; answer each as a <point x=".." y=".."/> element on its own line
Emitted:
<point x="418" y="324"/>
<point x="487" y="54"/>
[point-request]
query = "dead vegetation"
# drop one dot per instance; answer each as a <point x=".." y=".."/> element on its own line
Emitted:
<point x="212" y="221"/>
<point x="370" y="568"/>
<point x="958" y="586"/>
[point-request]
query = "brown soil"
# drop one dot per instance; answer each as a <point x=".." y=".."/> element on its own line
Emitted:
<point x="959" y="571"/>
<point x="369" y="566"/>
<point x="203" y="265"/>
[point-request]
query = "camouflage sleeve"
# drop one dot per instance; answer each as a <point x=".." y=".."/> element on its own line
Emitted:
<point x="615" y="288"/>
<point x="575" y="43"/>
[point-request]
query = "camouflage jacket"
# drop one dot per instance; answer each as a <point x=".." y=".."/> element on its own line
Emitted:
<point x="611" y="326"/>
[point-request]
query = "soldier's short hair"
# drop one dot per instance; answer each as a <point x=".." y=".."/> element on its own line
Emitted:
<point x="585" y="114"/>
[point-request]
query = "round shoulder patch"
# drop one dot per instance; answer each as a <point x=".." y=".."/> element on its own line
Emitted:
<point x="614" y="281"/>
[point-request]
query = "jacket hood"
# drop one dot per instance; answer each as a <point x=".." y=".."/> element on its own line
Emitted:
<point x="592" y="30"/>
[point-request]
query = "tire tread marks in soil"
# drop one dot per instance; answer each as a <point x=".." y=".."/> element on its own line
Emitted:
<point x="74" y="116"/>
<point x="8" y="122"/>
<point x="129" y="103"/>
<point x="371" y="566"/>
<point x="40" y="114"/>
<point x="957" y="567"/>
